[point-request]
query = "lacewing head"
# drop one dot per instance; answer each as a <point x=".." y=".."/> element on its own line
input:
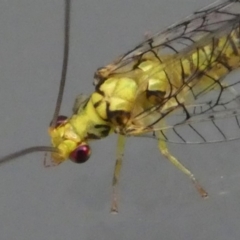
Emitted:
<point x="68" y="144"/>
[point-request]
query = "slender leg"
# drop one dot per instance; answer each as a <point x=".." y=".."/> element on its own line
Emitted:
<point x="118" y="165"/>
<point x="164" y="150"/>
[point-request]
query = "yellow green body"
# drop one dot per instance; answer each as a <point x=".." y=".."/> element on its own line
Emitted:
<point x="124" y="100"/>
<point x="160" y="85"/>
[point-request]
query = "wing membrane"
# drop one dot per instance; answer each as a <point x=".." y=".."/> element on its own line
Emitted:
<point x="202" y="105"/>
<point x="216" y="104"/>
<point x="208" y="123"/>
<point x="179" y="39"/>
<point x="211" y="115"/>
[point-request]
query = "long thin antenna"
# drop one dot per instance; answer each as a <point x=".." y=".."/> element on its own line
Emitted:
<point x="27" y="151"/>
<point x="65" y="61"/>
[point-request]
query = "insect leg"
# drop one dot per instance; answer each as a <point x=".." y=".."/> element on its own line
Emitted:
<point x="164" y="150"/>
<point x="118" y="165"/>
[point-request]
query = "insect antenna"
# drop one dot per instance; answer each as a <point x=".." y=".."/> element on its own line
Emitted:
<point x="60" y="92"/>
<point x="27" y="151"/>
<point x="65" y="62"/>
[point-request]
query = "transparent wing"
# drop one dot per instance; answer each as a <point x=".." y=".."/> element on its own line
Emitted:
<point x="177" y="40"/>
<point x="208" y="122"/>
<point x="199" y="103"/>
<point x="205" y="107"/>
<point x="213" y="117"/>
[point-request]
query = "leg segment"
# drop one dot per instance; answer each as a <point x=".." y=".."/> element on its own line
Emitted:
<point x="118" y="165"/>
<point x="164" y="150"/>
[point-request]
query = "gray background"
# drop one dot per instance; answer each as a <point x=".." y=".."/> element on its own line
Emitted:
<point x="73" y="201"/>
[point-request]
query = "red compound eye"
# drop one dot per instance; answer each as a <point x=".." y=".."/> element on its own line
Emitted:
<point x="60" y="120"/>
<point x="81" y="154"/>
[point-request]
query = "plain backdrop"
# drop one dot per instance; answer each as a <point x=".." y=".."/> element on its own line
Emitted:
<point x="73" y="201"/>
